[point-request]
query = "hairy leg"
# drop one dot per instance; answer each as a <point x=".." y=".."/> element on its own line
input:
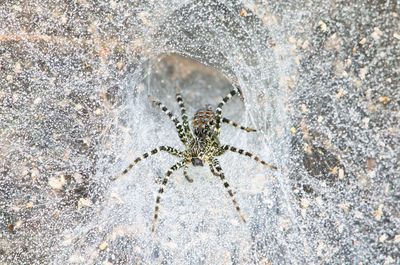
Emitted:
<point x="184" y="116"/>
<point x="178" y="125"/>
<point x="168" y="149"/>
<point x="185" y="169"/>
<point x="242" y="152"/>
<point x="247" y="129"/>
<point x="213" y="170"/>
<point x="164" y="183"/>
<point x="218" y="111"/>
<point x="217" y="166"/>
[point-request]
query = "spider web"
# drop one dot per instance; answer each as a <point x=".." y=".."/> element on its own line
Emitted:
<point x="318" y="82"/>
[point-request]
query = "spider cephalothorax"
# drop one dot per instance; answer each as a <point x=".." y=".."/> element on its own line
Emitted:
<point x="202" y="146"/>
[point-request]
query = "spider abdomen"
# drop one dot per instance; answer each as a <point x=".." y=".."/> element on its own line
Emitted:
<point x="203" y="121"/>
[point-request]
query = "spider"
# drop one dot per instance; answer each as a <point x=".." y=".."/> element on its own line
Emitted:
<point x="202" y="145"/>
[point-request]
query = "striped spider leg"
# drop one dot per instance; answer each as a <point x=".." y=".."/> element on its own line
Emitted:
<point x="242" y="152"/>
<point x="218" y="110"/>
<point x="185" y="169"/>
<point x="184" y="116"/>
<point x="234" y="124"/>
<point x="215" y="165"/>
<point x="164" y="183"/>
<point x="168" y="149"/>
<point x="184" y="135"/>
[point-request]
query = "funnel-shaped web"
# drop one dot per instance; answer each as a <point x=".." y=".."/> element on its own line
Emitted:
<point x="319" y="82"/>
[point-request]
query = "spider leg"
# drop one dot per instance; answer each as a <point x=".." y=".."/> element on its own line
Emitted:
<point x="218" y="110"/>
<point x="213" y="140"/>
<point x="168" y="149"/>
<point x="247" y="129"/>
<point x="161" y="190"/>
<point x="183" y="113"/>
<point x="178" y="125"/>
<point x="242" y="152"/>
<point x="185" y="169"/>
<point x="217" y="166"/>
<point x="213" y="170"/>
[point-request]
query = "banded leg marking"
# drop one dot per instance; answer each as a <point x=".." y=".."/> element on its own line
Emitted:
<point x="161" y="190"/>
<point x="213" y="171"/>
<point x="247" y="129"/>
<point x="242" y="152"/>
<point x="178" y="125"/>
<point x="185" y="169"/>
<point x="183" y="113"/>
<point x="221" y="175"/>
<point x="168" y="149"/>
<point x="218" y="110"/>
